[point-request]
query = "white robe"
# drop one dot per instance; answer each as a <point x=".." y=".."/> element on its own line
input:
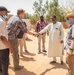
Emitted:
<point x="56" y="34"/>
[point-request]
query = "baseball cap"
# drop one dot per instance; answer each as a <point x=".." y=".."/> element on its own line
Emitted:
<point x="2" y="8"/>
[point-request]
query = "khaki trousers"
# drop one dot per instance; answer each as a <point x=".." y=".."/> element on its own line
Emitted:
<point x="70" y="64"/>
<point x="14" y="45"/>
<point x="22" y="43"/>
<point x="41" y="37"/>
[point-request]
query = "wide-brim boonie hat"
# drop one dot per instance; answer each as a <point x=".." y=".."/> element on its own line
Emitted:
<point x="69" y="15"/>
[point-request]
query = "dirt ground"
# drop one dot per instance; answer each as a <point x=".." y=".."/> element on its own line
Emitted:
<point x="37" y="64"/>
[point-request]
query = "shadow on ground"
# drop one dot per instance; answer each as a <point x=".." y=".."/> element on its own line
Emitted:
<point x="24" y="58"/>
<point x="55" y="66"/>
<point x="23" y="72"/>
<point x="31" y="54"/>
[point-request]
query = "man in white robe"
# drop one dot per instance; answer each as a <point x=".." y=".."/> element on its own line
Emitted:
<point x="56" y="36"/>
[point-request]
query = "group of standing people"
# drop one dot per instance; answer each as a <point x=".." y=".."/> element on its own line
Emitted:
<point x="9" y="36"/>
<point x="16" y="29"/>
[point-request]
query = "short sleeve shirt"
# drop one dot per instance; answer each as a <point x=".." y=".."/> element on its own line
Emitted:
<point x="41" y="25"/>
<point x="70" y="36"/>
<point x="15" y="24"/>
<point x="3" y="32"/>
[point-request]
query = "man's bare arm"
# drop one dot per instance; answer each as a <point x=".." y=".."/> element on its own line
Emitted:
<point x="5" y="41"/>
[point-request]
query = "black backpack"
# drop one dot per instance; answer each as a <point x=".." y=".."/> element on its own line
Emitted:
<point x="20" y="35"/>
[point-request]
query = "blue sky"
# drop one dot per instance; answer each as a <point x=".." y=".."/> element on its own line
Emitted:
<point x="27" y="5"/>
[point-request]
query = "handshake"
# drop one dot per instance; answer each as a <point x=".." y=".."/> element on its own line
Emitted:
<point x="36" y="34"/>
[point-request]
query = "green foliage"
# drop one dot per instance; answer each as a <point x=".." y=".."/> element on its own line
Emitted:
<point x="46" y="6"/>
<point x="55" y="9"/>
<point x="34" y="19"/>
<point x="38" y="7"/>
<point x="27" y="16"/>
<point x="48" y="9"/>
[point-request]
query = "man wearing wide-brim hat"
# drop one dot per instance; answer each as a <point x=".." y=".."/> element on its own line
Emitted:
<point x="70" y="44"/>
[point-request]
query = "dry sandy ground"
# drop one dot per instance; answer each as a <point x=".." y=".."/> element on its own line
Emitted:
<point x="37" y="64"/>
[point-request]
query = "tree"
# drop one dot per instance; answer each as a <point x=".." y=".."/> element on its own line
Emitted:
<point x="34" y="19"/>
<point x="46" y="6"/>
<point x="69" y="7"/>
<point x="47" y="10"/>
<point x="27" y="16"/>
<point x="38" y="8"/>
<point x="55" y="9"/>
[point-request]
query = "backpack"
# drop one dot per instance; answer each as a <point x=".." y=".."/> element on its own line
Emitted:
<point x="20" y="35"/>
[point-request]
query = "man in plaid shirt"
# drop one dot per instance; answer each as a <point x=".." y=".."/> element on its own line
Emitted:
<point x="15" y="25"/>
<point x="41" y="24"/>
